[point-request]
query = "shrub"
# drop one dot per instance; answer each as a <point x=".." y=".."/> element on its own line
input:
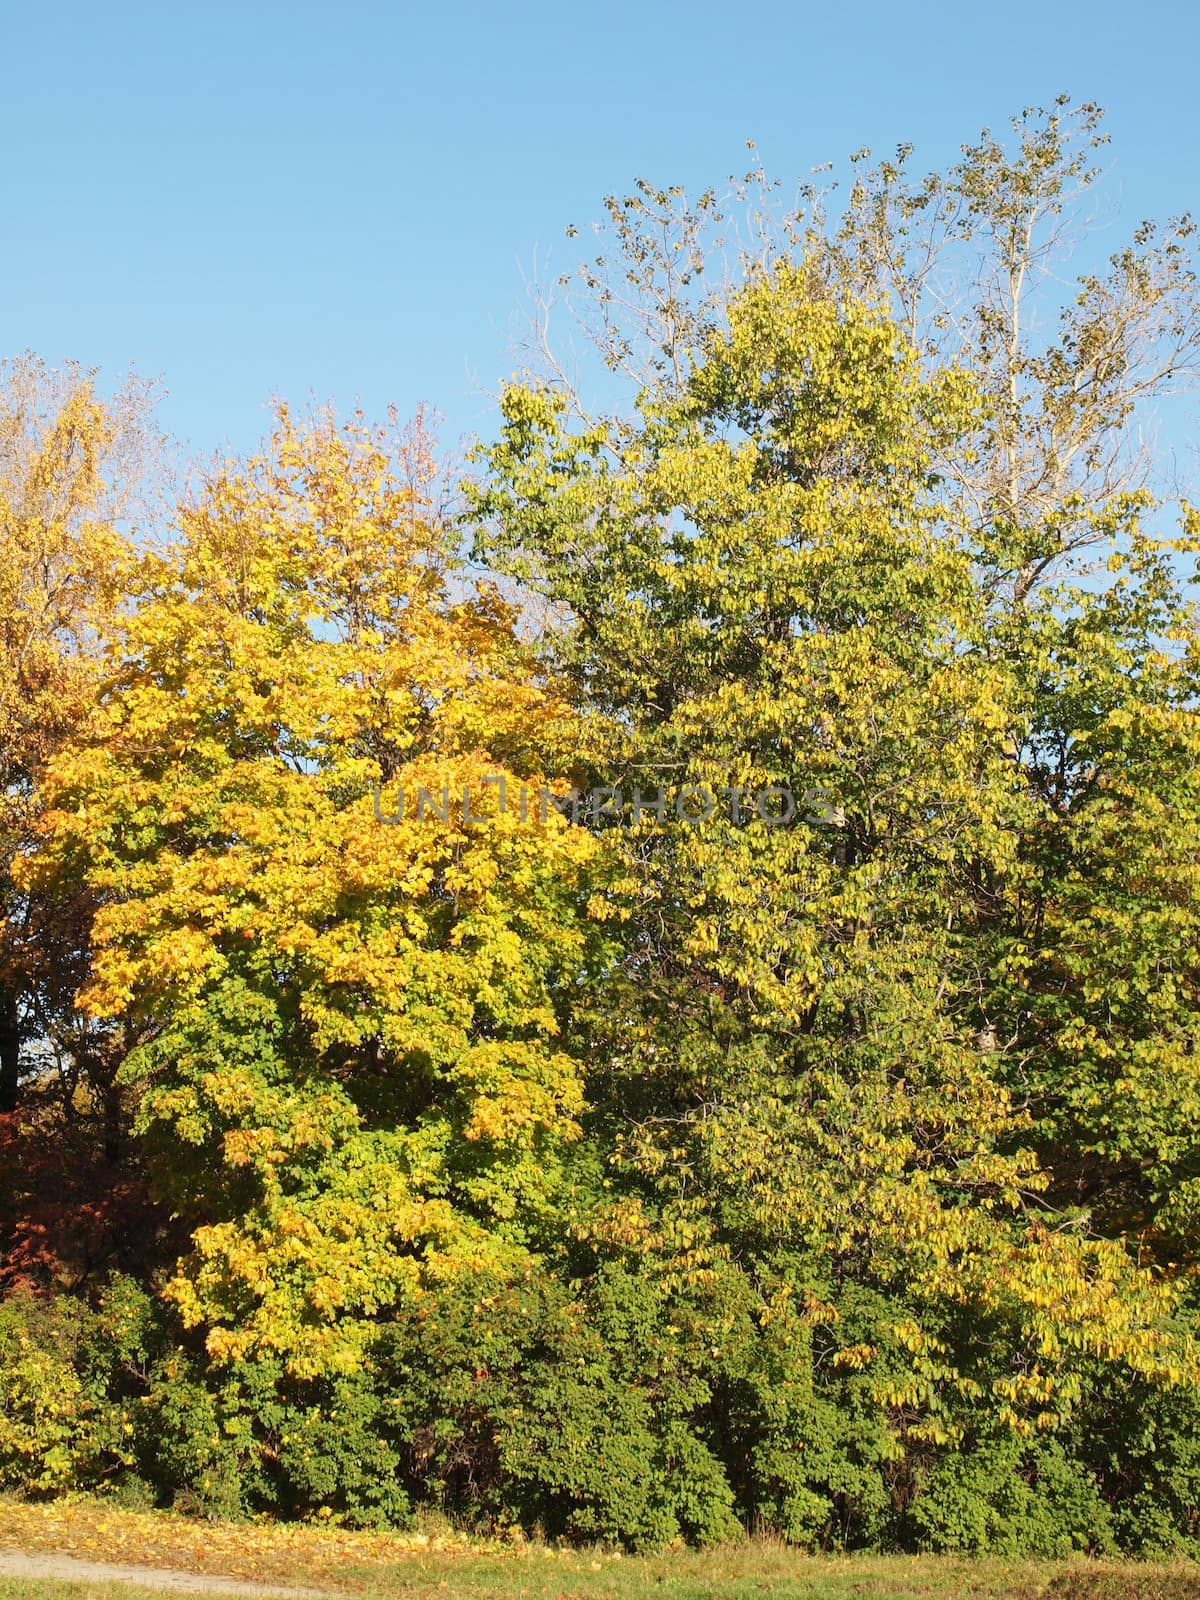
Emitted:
<point x="54" y="1434"/>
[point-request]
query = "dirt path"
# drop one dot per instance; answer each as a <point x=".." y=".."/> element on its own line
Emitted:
<point x="47" y="1564"/>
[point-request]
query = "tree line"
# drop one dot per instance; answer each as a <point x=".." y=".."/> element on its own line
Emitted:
<point x="692" y="1172"/>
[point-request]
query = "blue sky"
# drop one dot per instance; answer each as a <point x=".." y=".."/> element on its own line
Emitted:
<point x="262" y="199"/>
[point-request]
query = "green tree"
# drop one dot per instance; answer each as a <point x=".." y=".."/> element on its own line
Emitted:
<point x="769" y="585"/>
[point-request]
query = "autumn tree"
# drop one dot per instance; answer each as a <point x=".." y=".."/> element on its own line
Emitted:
<point x="71" y="464"/>
<point x="801" y="1129"/>
<point x="828" y="547"/>
<point x="348" y="1057"/>
<point x="75" y="473"/>
<point x="978" y="264"/>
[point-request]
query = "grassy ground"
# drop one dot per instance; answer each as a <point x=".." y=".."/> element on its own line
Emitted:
<point x="442" y="1566"/>
<point x="264" y="1552"/>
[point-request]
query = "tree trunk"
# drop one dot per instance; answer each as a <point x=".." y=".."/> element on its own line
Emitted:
<point x="10" y="1049"/>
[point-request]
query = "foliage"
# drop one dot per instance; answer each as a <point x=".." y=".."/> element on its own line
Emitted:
<point x="349" y="1069"/>
<point x="69" y="1215"/>
<point x="678" y="1169"/>
<point x="810" y="1057"/>
<point x="70" y="463"/>
<point x="53" y="1435"/>
<point x="1003" y="1497"/>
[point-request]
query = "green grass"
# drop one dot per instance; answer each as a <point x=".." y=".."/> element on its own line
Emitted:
<point x="436" y="1562"/>
<point x="745" y="1573"/>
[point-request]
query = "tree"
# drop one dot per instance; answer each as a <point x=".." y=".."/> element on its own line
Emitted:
<point x="972" y="261"/>
<point x="974" y="265"/>
<point x="1090" y="945"/>
<point x="71" y="465"/>
<point x="347" y="1054"/>
<point x="769" y="588"/>
<point x="799" y="1123"/>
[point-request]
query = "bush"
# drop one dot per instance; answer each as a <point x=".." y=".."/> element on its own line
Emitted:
<point x="579" y="1413"/>
<point x="610" y="1407"/>
<point x="1007" y="1497"/>
<point x="54" y="1433"/>
<point x="1143" y="1444"/>
<point x="244" y="1438"/>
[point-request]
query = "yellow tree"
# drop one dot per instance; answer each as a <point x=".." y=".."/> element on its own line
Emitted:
<point x="70" y="462"/>
<point x="351" y="1074"/>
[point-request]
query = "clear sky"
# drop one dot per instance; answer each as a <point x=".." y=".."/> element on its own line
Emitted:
<point x="267" y="198"/>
